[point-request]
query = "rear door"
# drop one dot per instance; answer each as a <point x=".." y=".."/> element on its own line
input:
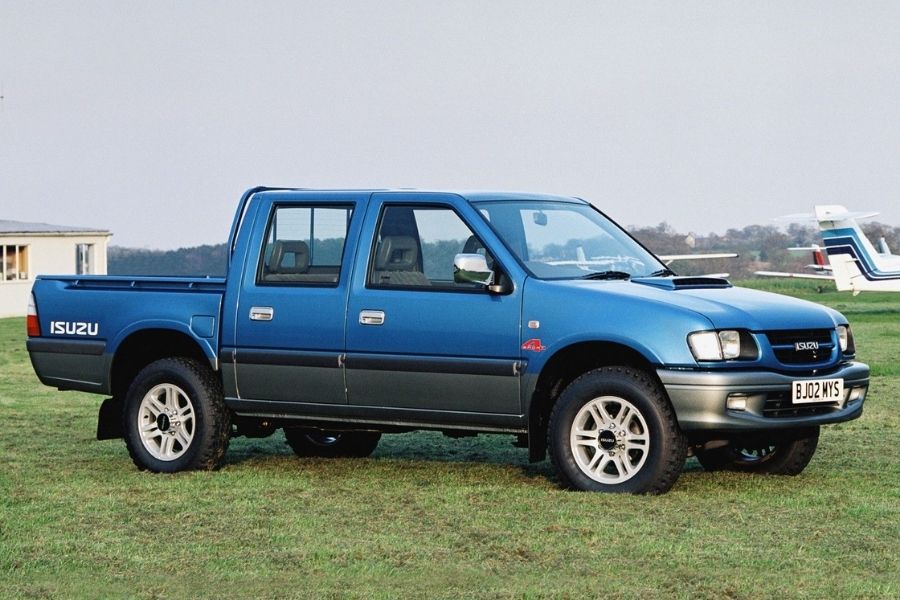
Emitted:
<point x="290" y="316"/>
<point x="417" y="340"/>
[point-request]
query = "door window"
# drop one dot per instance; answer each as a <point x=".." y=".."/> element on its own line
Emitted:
<point x="415" y="247"/>
<point x="304" y="245"/>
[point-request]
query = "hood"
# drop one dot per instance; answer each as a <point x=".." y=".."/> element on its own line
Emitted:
<point x="725" y="306"/>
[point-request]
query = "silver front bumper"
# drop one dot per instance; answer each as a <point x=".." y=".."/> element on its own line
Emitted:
<point x="700" y="399"/>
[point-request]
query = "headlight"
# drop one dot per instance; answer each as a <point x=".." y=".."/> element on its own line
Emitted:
<point x="845" y="338"/>
<point x="731" y="344"/>
<point x="705" y="345"/>
<point x="722" y="345"/>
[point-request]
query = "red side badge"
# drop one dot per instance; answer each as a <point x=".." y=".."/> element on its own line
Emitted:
<point x="534" y="344"/>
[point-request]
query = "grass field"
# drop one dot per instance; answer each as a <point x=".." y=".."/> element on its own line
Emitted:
<point x="428" y="516"/>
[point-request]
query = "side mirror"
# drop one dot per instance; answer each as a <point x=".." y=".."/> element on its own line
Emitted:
<point x="472" y="268"/>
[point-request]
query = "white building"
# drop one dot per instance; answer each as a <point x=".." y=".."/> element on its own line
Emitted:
<point x="31" y="249"/>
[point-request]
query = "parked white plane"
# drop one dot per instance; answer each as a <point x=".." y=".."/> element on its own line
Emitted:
<point x="611" y="262"/>
<point x="854" y="262"/>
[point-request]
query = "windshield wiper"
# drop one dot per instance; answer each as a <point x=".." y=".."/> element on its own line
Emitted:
<point x="662" y="273"/>
<point x="607" y="275"/>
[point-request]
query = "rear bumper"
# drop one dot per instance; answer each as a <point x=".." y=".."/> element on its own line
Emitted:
<point x="700" y="399"/>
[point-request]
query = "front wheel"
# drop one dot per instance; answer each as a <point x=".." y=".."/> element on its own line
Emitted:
<point x="613" y="430"/>
<point x="785" y="453"/>
<point x="175" y="418"/>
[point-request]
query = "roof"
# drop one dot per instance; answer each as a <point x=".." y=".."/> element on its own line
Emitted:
<point x="469" y="195"/>
<point x="19" y="227"/>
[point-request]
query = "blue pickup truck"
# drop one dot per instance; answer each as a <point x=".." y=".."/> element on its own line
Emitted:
<point x="349" y="314"/>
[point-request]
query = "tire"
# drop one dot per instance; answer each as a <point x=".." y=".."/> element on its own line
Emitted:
<point x="613" y="430"/>
<point x="786" y="453"/>
<point x="175" y="418"/>
<point x="331" y="444"/>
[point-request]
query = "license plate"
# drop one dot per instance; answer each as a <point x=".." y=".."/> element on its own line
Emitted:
<point x="817" y="390"/>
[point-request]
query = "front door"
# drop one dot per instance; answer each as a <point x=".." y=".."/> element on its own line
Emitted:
<point x="416" y="339"/>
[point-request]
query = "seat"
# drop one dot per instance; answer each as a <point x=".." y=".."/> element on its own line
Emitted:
<point x="289" y="258"/>
<point x="397" y="262"/>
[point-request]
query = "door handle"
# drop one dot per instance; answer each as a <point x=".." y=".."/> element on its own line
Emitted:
<point x="262" y="313"/>
<point x="371" y="317"/>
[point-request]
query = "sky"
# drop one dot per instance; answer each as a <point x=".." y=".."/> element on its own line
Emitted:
<point x="151" y="118"/>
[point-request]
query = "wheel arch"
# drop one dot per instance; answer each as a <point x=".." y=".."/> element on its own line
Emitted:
<point x="144" y="346"/>
<point x="565" y="365"/>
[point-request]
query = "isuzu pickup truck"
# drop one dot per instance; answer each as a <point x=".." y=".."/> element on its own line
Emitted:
<point x="346" y="315"/>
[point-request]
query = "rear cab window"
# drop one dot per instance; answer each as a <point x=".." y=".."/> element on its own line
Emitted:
<point x="304" y="245"/>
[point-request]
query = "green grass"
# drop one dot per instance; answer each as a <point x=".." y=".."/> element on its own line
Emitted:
<point x="428" y="516"/>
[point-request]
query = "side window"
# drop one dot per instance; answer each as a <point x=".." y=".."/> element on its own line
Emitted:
<point x="415" y="247"/>
<point x="304" y="245"/>
<point x="84" y="259"/>
<point x="13" y="263"/>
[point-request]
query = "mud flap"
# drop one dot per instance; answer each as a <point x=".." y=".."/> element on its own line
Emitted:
<point x="109" y="421"/>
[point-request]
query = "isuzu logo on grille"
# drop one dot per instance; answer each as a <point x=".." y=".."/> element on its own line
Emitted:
<point x="798" y="346"/>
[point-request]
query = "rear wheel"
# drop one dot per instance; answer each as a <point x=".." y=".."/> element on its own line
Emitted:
<point x="613" y="430"/>
<point x="331" y="444"/>
<point x="786" y="453"/>
<point x="175" y="418"/>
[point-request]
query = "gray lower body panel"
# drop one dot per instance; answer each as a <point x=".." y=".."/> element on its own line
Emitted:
<point x="70" y="364"/>
<point x="700" y="399"/>
<point x="395" y="417"/>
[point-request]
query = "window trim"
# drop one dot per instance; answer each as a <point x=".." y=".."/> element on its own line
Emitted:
<point x="421" y="288"/>
<point x="270" y="221"/>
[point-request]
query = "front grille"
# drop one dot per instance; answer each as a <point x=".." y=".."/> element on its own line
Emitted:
<point x="779" y="405"/>
<point x="782" y="343"/>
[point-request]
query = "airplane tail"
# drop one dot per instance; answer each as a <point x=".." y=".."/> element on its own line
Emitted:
<point x="856" y="264"/>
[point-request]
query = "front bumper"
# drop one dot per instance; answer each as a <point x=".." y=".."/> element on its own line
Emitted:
<point x="700" y="399"/>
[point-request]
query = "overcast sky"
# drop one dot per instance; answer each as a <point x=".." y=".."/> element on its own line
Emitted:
<point x="151" y="118"/>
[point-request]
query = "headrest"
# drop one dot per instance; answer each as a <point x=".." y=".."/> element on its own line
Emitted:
<point x="289" y="256"/>
<point x="397" y="253"/>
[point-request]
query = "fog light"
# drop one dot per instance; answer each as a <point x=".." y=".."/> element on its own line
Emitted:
<point x="736" y="402"/>
<point x="857" y="394"/>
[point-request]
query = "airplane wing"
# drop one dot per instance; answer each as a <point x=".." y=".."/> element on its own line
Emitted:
<point x="793" y="275"/>
<point x="667" y="258"/>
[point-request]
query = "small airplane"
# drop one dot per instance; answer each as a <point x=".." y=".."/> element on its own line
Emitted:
<point x="853" y="262"/>
<point x="614" y="262"/>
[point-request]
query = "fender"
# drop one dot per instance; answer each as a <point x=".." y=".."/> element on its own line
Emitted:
<point x="538" y="360"/>
<point x="206" y="345"/>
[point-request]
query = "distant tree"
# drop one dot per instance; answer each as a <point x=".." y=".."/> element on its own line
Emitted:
<point x="196" y="261"/>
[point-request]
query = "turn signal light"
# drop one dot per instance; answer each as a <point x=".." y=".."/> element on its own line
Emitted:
<point x="31" y="320"/>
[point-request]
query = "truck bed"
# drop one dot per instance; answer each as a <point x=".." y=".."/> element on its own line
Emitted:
<point x="84" y="319"/>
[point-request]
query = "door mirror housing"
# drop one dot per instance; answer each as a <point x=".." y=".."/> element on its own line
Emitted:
<point x="472" y="268"/>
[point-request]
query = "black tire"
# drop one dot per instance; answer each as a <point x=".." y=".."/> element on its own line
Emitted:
<point x="659" y="462"/>
<point x="179" y="382"/>
<point x="331" y="444"/>
<point x="785" y="453"/>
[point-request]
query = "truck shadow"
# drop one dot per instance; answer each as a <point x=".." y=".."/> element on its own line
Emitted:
<point x="415" y="447"/>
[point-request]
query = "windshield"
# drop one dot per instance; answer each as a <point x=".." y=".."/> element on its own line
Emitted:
<point x="559" y="240"/>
